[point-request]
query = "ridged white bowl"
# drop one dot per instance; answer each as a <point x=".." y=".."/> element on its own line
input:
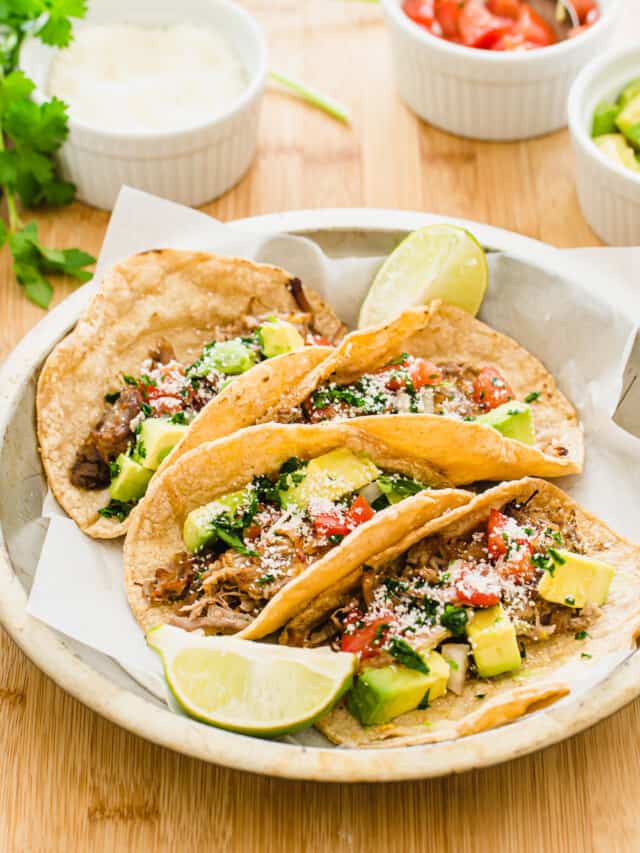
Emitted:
<point x="609" y="194"/>
<point x="190" y="166"/>
<point x="483" y="94"/>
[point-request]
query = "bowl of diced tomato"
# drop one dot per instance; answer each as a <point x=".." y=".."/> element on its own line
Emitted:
<point x="495" y="69"/>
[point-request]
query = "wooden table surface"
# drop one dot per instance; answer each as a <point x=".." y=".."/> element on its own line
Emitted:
<point x="71" y="781"/>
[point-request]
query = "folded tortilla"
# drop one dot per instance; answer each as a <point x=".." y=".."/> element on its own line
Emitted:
<point x="552" y="668"/>
<point x="181" y="296"/>
<point x="465" y="451"/>
<point x="217" y="468"/>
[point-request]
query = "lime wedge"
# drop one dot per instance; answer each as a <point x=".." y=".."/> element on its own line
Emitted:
<point x="252" y="688"/>
<point x="435" y="262"/>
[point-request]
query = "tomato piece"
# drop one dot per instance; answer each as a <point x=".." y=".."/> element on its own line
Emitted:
<point x="490" y="389"/>
<point x="518" y="565"/>
<point x="420" y="11"/>
<point x="504" y="8"/>
<point x="314" y="340"/>
<point x="475" y="587"/>
<point x="367" y="640"/>
<point x="479" y="28"/>
<point x="534" y="28"/>
<point x="496" y="544"/>
<point x="359" y="512"/>
<point x="584" y="8"/>
<point x="331" y="523"/>
<point x="514" y="41"/>
<point x="447" y="14"/>
<point x="423" y="372"/>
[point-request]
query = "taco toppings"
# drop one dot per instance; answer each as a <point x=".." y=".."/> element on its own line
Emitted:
<point x="409" y="384"/>
<point x="452" y="608"/>
<point x="146" y="416"/>
<point x="244" y="547"/>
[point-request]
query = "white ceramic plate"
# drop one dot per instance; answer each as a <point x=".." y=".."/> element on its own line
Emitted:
<point x="101" y="684"/>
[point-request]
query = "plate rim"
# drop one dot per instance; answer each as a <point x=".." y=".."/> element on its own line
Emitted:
<point x="49" y="651"/>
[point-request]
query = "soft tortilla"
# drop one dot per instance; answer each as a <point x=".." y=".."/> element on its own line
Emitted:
<point x="216" y="468"/>
<point x="552" y="668"/>
<point x="466" y="451"/>
<point x="181" y="296"/>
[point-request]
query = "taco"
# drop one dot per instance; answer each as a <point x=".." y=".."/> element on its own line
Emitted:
<point x="465" y="394"/>
<point x="170" y="338"/>
<point x="224" y="530"/>
<point x="475" y="618"/>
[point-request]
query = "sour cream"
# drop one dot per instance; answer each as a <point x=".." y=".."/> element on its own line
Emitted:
<point x="132" y="78"/>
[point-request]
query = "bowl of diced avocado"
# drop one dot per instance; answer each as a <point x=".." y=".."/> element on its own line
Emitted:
<point x="604" y="120"/>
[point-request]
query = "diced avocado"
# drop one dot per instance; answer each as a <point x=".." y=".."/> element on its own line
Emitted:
<point x="279" y="337"/>
<point x="616" y="148"/>
<point x="604" y="118"/>
<point x="380" y="695"/>
<point x="158" y="437"/>
<point x="198" y="526"/>
<point x="331" y="476"/>
<point x="493" y="642"/>
<point x="231" y="357"/>
<point x="131" y="482"/>
<point x="630" y="91"/>
<point x="576" y="581"/>
<point x="513" y="420"/>
<point x="628" y="121"/>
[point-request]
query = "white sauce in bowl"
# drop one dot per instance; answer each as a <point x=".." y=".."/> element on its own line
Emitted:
<point x="132" y="78"/>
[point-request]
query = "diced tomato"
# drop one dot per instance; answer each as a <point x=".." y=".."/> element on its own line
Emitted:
<point x="584" y="8"/>
<point x="533" y="27"/>
<point x="518" y="565"/>
<point x="475" y="588"/>
<point x="420" y="11"/>
<point x="447" y="14"/>
<point x="359" y="512"/>
<point x="479" y="28"/>
<point x="514" y="41"/>
<point x="365" y="641"/>
<point x="314" y="340"/>
<point x="496" y="545"/>
<point x="490" y="389"/>
<point x="331" y="523"/>
<point x="504" y="8"/>
<point x="419" y="371"/>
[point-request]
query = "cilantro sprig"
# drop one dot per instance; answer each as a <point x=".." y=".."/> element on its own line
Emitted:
<point x="30" y="134"/>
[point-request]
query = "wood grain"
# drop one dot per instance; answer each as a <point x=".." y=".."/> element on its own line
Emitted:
<point x="71" y="781"/>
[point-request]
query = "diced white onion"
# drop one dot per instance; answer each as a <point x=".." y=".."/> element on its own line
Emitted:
<point x="403" y="402"/>
<point x="371" y="492"/>
<point x="457" y="656"/>
<point x="426" y="399"/>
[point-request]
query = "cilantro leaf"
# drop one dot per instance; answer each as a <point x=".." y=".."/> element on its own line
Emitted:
<point x="406" y="655"/>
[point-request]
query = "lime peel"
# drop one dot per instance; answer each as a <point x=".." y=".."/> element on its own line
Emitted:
<point x="438" y="261"/>
<point x="251" y="688"/>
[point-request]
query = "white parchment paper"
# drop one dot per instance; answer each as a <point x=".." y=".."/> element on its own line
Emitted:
<point x="586" y="341"/>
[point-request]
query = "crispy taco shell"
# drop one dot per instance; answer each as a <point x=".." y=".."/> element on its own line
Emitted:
<point x="467" y="451"/>
<point x="553" y="667"/>
<point x="181" y="296"/>
<point x="217" y="468"/>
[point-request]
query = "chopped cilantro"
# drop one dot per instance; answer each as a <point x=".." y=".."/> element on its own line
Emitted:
<point x="395" y="488"/>
<point x="140" y="450"/>
<point x="178" y="418"/>
<point x="112" y="397"/>
<point x="424" y="702"/>
<point x="129" y="380"/>
<point x="480" y="695"/>
<point x="570" y="600"/>
<point x="532" y="397"/>
<point x="586" y="656"/>
<point x="454" y="666"/>
<point x="523" y="649"/>
<point x="582" y="635"/>
<point x="454" y="619"/>
<point x="116" y="509"/>
<point x="265" y="579"/>
<point x="114" y="470"/>
<point x="557" y="536"/>
<point x="556" y="557"/>
<point x="335" y="538"/>
<point x="399" y="360"/>
<point x="395" y="586"/>
<point x="406" y="655"/>
<point x="147" y="410"/>
<point x="380" y="631"/>
<point x="234" y="541"/>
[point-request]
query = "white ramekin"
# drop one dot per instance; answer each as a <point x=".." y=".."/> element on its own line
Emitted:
<point x="483" y="94"/>
<point x="609" y="194"/>
<point x="190" y="166"/>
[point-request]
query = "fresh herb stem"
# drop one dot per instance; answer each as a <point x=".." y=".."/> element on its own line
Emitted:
<point x="312" y="96"/>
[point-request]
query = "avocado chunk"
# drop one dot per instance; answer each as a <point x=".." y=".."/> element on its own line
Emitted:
<point x="380" y="695"/>
<point x="231" y="357"/>
<point x="493" y="642"/>
<point x="278" y="338"/>
<point x="198" y="526"/>
<point x="616" y="148"/>
<point x="576" y="581"/>
<point x="604" y="119"/>
<point x="628" y="121"/>
<point x="513" y="420"/>
<point x="630" y="91"/>
<point x="158" y="437"/>
<point x="131" y="482"/>
<point x="330" y="476"/>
